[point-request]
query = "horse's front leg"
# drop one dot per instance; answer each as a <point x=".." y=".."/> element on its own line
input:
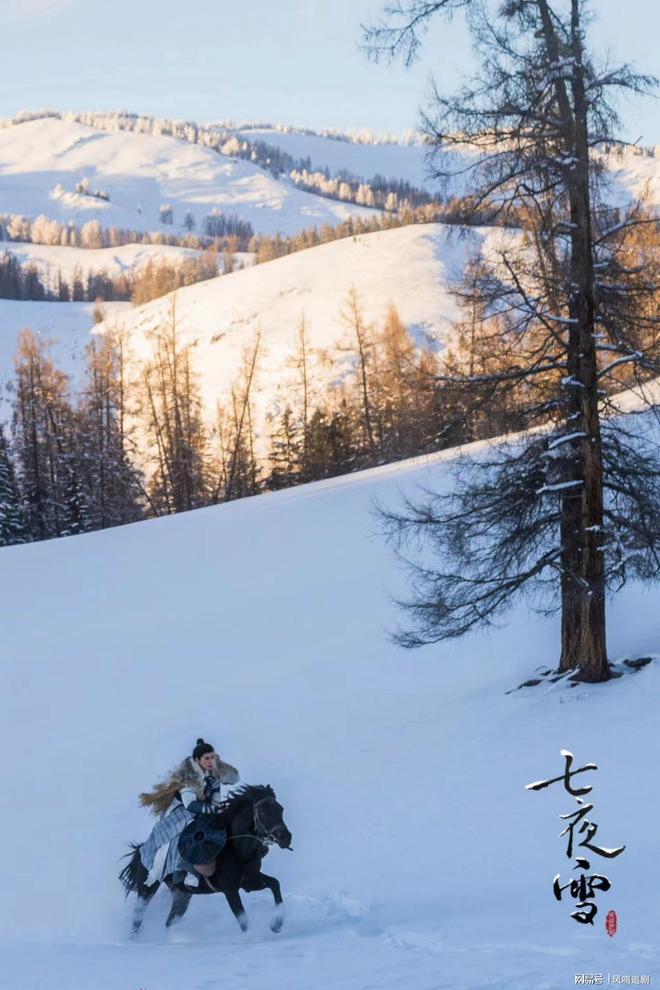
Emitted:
<point x="236" y="904"/>
<point x="273" y="885"/>
<point x="259" y="881"/>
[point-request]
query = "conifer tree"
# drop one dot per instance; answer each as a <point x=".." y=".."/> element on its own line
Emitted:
<point x="570" y="509"/>
<point x="44" y="430"/>
<point x="12" y="521"/>
<point x="286" y="452"/>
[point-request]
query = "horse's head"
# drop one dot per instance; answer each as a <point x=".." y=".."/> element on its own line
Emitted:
<point x="269" y="822"/>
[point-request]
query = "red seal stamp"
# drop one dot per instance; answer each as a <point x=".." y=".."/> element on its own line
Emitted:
<point x="610" y="923"/>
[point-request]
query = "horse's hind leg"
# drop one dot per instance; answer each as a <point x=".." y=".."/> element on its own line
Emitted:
<point x="180" y="902"/>
<point x="144" y="895"/>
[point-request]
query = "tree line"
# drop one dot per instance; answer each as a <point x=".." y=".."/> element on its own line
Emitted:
<point x="220" y="230"/>
<point x="150" y="281"/>
<point x="134" y="442"/>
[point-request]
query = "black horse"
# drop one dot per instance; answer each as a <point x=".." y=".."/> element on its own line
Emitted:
<point x="254" y="821"/>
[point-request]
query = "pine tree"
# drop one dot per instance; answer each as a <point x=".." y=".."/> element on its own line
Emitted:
<point x="12" y="521"/>
<point x="44" y="428"/>
<point x="362" y="345"/>
<point x="286" y="453"/>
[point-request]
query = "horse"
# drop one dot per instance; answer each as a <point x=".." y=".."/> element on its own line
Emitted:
<point x="254" y="821"/>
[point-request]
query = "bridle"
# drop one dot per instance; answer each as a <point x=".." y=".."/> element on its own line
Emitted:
<point x="263" y="834"/>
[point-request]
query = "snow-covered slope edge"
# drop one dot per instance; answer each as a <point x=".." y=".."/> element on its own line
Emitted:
<point x="42" y="162"/>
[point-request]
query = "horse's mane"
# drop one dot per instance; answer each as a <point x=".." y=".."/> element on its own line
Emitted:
<point x="247" y="794"/>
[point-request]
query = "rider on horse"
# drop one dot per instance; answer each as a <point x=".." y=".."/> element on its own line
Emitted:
<point x="193" y="788"/>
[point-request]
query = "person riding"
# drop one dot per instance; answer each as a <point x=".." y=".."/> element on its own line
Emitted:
<point x="193" y="788"/>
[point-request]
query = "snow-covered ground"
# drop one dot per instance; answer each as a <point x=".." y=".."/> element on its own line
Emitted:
<point x="66" y="325"/>
<point x="420" y="861"/>
<point x="637" y="173"/>
<point x="42" y="161"/>
<point x="409" y="267"/>
<point x="634" y="171"/>
<point x="399" y="162"/>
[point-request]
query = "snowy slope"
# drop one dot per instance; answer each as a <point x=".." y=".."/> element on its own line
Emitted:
<point x="42" y="161"/>
<point x="408" y="267"/>
<point x="404" y="162"/>
<point x="633" y="171"/>
<point x="420" y="861"/>
<point x="66" y="325"/>
<point x="637" y="173"/>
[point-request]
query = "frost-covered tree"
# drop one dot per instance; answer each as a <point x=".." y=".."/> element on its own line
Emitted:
<point x="12" y="519"/>
<point x="45" y="444"/>
<point x="286" y="452"/>
<point x="105" y="441"/>
<point x="573" y="507"/>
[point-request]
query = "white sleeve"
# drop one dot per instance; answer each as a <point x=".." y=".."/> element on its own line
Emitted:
<point x="188" y="795"/>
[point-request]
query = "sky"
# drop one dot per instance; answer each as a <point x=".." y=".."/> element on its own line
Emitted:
<point x="293" y="61"/>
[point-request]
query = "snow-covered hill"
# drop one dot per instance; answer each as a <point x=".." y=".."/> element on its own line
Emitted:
<point x="398" y="162"/>
<point x="634" y="170"/>
<point x="420" y="861"/>
<point x="408" y="267"/>
<point x="66" y="325"/>
<point x="42" y="162"/>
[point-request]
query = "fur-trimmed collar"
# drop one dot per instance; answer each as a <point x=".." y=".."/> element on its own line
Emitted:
<point x="190" y="774"/>
<point x="187" y="774"/>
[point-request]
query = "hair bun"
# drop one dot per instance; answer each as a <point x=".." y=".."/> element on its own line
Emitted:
<point x="200" y="742"/>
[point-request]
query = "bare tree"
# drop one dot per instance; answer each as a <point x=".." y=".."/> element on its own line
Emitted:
<point x="238" y="473"/>
<point x="172" y="411"/>
<point x="362" y="333"/>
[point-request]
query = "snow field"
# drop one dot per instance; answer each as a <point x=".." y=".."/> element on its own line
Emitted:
<point x="419" y="859"/>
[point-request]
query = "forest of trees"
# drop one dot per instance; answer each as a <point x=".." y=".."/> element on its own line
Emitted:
<point x="155" y="279"/>
<point x="223" y="231"/>
<point x="160" y="277"/>
<point x="133" y="441"/>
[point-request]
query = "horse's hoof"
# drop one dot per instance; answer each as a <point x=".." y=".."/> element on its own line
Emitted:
<point x="243" y="922"/>
<point x="276" y="922"/>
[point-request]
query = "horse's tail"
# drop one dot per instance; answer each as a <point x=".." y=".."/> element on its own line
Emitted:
<point x="130" y="875"/>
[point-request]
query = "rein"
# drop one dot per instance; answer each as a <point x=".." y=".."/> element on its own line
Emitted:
<point x="266" y="838"/>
